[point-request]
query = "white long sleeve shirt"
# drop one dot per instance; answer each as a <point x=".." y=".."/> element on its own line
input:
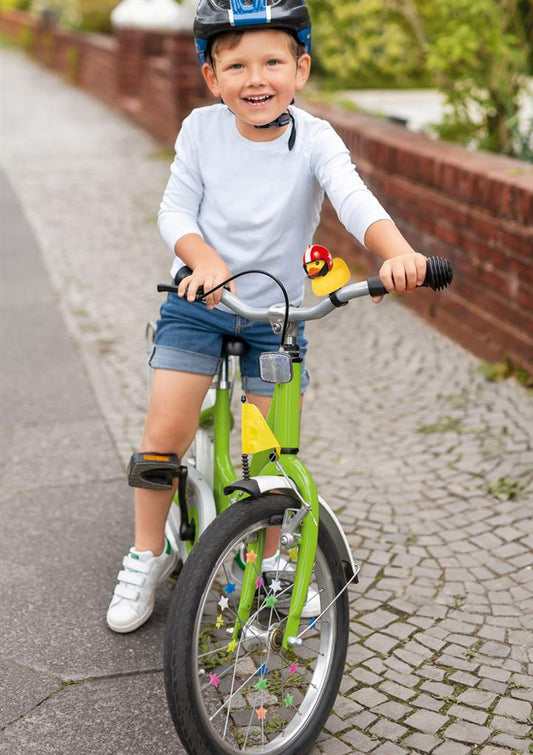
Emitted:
<point x="257" y="203"/>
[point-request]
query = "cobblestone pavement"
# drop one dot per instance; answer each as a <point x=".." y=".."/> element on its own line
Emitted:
<point x="428" y="463"/>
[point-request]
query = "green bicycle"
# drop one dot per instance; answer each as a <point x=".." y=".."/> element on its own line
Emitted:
<point x="256" y="643"/>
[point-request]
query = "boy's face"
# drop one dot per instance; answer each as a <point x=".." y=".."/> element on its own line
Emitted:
<point x="257" y="79"/>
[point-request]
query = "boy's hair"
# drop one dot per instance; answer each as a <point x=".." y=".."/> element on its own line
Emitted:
<point x="230" y="39"/>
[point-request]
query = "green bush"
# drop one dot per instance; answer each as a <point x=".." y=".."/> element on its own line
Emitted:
<point x="477" y="52"/>
<point x="364" y="43"/>
<point x="82" y="15"/>
<point x="15" y="4"/>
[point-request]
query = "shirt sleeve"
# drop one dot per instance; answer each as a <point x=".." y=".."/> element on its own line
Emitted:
<point x="356" y="206"/>
<point x="178" y="212"/>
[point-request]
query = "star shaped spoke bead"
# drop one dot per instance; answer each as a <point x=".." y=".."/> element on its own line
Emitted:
<point x="223" y="603"/>
<point x="261" y="713"/>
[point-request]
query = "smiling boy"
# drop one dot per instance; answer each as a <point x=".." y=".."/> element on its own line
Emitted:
<point x="245" y="191"/>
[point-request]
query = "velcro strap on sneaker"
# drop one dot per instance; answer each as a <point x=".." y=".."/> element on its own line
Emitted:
<point x="131" y="578"/>
<point x="127" y="591"/>
<point x="133" y="564"/>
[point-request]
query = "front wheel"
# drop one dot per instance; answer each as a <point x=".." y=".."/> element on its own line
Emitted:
<point x="251" y="694"/>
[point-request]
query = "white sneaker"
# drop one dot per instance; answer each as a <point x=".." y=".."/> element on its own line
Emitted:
<point x="133" y="600"/>
<point x="279" y="568"/>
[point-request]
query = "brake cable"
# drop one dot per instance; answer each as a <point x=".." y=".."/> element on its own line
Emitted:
<point x="260" y="272"/>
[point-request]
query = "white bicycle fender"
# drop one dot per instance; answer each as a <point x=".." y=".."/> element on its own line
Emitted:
<point x="327" y="517"/>
<point x="200" y="494"/>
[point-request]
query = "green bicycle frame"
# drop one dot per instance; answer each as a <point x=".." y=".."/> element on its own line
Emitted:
<point x="284" y="420"/>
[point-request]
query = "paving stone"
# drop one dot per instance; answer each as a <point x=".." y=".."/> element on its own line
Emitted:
<point x="519" y="709"/>
<point x="335" y="747"/>
<point x="426" y="721"/>
<point x="378" y="619"/>
<point x="363" y="720"/>
<point x="359" y="741"/>
<point x="513" y="743"/>
<point x="495" y="649"/>
<point x="381" y="643"/>
<point x="389" y="748"/>
<point x="369" y="697"/>
<point x="421" y="742"/>
<point x="499" y="688"/>
<point x="334" y="724"/>
<point x="452" y="748"/>
<point x="438" y="689"/>
<point x="345" y="707"/>
<point x="473" y="715"/>
<point x="385" y="729"/>
<point x="365" y="677"/>
<point x="511" y="726"/>
<point x="477" y="698"/>
<point x="428" y="702"/>
<point x="397" y="691"/>
<point x="431" y="672"/>
<point x="464" y="731"/>
<point x="460" y="677"/>
<point x="392" y="709"/>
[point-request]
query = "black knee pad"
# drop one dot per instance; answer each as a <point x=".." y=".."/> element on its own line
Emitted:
<point x="153" y="470"/>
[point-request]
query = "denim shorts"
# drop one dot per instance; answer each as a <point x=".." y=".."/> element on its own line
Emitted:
<point x="189" y="338"/>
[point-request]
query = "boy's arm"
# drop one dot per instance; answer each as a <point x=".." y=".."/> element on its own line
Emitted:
<point x="403" y="269"/>
<point x="208" y="268"/>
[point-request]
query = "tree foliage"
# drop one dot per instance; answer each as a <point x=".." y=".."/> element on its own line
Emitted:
<point x="83" y="15"/>
<point x="477" y="52"/>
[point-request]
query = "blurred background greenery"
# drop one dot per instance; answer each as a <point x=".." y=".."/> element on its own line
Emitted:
<point x="477" y="53"/>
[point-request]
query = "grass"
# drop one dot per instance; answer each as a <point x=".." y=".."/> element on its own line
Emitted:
<point x="505" y="489"/>
<point x="496" y="372"/>
<point x="445" y="424"/>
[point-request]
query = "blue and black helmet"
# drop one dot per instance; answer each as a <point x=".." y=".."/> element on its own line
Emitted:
<point x="214" y="17"/>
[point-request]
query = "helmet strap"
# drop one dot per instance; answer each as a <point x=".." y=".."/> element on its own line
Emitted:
<point x="283" y="120"/>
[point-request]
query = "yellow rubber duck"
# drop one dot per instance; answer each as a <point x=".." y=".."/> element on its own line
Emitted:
<point x="326" y="274"/>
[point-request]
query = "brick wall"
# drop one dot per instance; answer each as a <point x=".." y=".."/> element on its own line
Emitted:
<point x="476" y="209"/>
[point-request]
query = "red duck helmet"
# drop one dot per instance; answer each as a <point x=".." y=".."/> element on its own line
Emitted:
<point x="316" y="253"/>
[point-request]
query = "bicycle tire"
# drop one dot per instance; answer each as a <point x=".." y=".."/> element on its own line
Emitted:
<point x="287" y="695"/>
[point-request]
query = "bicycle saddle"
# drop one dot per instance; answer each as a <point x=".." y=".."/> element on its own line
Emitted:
<point x="234" y="346"/>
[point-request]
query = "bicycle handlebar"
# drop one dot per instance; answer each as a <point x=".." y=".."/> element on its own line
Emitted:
<point x="439" y="274"/>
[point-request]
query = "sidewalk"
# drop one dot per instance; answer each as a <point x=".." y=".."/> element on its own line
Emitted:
<point x="440" y="658"/>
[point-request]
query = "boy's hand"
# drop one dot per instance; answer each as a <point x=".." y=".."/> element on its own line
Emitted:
<point x="403" y="273"/>
<point x="208" y="275"/>
<point x="208" y="269"/>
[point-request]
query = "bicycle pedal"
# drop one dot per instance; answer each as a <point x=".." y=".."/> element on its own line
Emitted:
<point x="152" y="470"/>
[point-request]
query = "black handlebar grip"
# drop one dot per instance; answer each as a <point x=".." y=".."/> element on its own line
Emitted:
<point x="184" y="272"/>
<point x="165" y="288"/>
<point x="439" y="274"/>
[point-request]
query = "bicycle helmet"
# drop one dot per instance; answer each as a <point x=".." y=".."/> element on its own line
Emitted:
<point x="214" y="17"/>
